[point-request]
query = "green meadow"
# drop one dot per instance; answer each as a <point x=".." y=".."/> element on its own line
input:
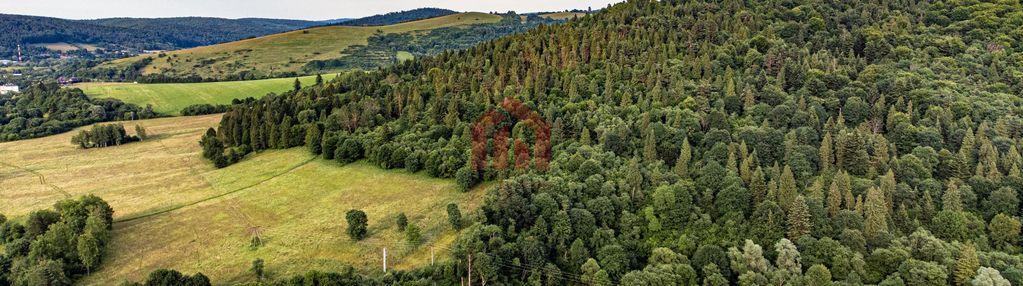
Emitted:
<point x="170" y="98"/>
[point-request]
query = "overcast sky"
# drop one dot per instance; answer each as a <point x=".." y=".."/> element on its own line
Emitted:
<point x="285" y="9"/>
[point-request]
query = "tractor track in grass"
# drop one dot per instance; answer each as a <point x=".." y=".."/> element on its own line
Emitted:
<point x="42" y="179"/>
<point x="178" y="207"/>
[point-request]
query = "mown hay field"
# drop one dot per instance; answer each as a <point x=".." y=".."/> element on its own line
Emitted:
<point x="175" y="210"/>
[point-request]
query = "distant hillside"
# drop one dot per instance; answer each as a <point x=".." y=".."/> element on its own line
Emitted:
<point x="399" y="17"/>
<point x="206" y="31"/>
<point x="43" y="36"/>
<point x="315" y="50"/>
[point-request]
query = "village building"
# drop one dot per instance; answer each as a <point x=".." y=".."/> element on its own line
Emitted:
<point x="9" y="88"/>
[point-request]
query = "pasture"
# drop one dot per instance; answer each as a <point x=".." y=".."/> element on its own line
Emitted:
<point x="174" y="210"/>
<point x="170" y="98"/>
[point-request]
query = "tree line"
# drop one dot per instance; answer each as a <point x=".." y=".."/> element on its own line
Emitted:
<point x="46" y="109"/>
<point x="55" y="247"/>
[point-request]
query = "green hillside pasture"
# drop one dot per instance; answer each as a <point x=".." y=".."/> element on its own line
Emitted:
<point x="285" y="52"/>
<point x="300" y="217"/>
<point x="175" y="210"/>
<point x="170" y="98"/>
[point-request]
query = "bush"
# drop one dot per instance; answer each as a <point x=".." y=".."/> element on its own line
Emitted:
<point x="454" y="216"/>
<point x="402" y="221"/>
<point x="356" y="224"/>
<point x="412" y="235"/>
<point x="466" y="178"/>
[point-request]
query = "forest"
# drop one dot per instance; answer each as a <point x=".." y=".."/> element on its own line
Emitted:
<point x="135" y="34"/>
<point x="54" y="247"/>
<point x="381" y="49"/>
<point x="708" y="142"/>
<point x="46" y="109"/>
<point x="398" y="17"/>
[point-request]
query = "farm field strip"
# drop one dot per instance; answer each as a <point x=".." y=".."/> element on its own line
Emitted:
<point x="170" y="98"/>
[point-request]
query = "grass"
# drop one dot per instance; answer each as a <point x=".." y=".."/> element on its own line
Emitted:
<point x="563" y="15"/>
<point x="170" y="98"/>
<point x="285" y="52"/>
<point x="404" y="56"/>
<point x="174" y="210"/>
<point x="67" y="47"/>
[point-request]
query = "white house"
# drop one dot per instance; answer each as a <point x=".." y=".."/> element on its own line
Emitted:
<point x="9" y="88"/>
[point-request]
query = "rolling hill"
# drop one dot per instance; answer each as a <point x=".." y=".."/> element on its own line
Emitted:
<point x="285" y="53"/>
<point x="134" y="34"/>
<point x="398" y="17"/>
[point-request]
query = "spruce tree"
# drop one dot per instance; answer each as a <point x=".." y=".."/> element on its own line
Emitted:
<point x="827" y="154"/>
<point x="887" y="188"/>
<point x="787" y="190"/>
<point x="650" y="147"/>
<point x="966" y="265"/>
<point x="834" y="201"/>
<point x="799" y="219"/>
<point x="682" y="164"/>
<point x="875" y="213"/>
<point x="952" y="199"/>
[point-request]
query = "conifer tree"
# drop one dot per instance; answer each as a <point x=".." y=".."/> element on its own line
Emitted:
<point x="834" y="200"/>
<point x="584" y="137"/>
<point x="827" y="154"/>
<point x="966" y="265"/>
<point x="799" y="219"/>
<point x="650" y="147"/>
<point x="927" y="206"/>
<point x="967" y="147"/>
<point x="952" y="199"/>
<point x="875" y="213"/>
<point x="887" y="188"/>
<point x="758" y="187"/>
<point x="787" y="188"/>
<point x="682" y="164"/>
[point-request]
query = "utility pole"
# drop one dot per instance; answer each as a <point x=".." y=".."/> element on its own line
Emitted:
<point x="19" y="53"/>
<point x="385" y="259"/>
<point x="432" y="256"/>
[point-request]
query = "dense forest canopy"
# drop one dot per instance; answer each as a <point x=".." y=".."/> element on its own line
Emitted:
<point x="133" y="34"/>
<point x="398" y="17"/>
<point x="720" y="142"/>
<point x="381" y="49"/>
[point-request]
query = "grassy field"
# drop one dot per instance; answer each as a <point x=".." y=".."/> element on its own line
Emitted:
<point x="170" y="98"/>
<point x="67" y="47"/>
<point x="174" y="210"/>
<point x="285" y="52"/>
<point x="563" y="15"/>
